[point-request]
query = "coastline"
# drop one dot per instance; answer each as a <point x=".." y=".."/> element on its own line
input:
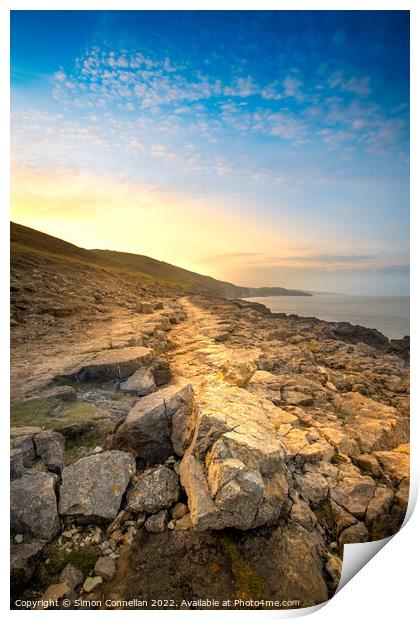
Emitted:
<point x="314" y="413"/>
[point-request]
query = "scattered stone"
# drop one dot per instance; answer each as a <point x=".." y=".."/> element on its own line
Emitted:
<point x="55" y="593"/>
<point x="161" y="372"/>
<point x="105" y="568"/>
<point x="24" y="431"/>
<point x="93" y="486"/>
<point x="72" y="576"/>
<point x="91" y="583"/>
<point x="155" y="489"/>
<point x="295" y="554"/>
<point x="18" y="538"/>
<point x="179" y="510"/>
<point x="141" y="383"/>
<point x="184" y="523"/>
<point x="157" y="522"/>
<point x="144" y="307"/>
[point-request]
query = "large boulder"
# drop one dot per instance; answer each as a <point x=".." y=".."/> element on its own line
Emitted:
<point x="50" y="448"/>
<point x="149" y="427"/>
<point x="24" y="559"/>
<point x="155" y="490"/>
<point x="93" y="487"/>
<point x="33" y="505"/>
<point x="111" y="364"/>
<point x="234" y="470"/>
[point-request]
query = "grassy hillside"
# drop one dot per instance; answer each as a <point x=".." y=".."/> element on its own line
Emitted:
<point x="24" y="239"/>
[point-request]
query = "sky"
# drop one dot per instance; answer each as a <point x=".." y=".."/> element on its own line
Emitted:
<point x="265" y="148"/>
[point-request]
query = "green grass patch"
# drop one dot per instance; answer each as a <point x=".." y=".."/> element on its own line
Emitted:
<point x="82" y="445"/>
<point x="248" y="584"/>
<point x="325" y="518"/>
<point x="48" y="573"/>
<point x="83" y="559"/>
<point x="53" y="414"/>
<point x="340" y="414"/>
<point x="336" y="459"/>
<point x="163" y="347"/>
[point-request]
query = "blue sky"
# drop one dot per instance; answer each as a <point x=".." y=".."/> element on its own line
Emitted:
<point x="265" y="148"/>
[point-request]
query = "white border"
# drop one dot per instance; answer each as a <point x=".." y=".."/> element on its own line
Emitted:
<point x="388" y="584"/>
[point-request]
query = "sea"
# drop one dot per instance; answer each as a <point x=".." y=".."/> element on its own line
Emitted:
<point x="389" y="315"/>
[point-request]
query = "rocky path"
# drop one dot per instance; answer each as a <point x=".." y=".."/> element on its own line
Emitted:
<point x="247" y="450"/>
<point x="198" y="356"/>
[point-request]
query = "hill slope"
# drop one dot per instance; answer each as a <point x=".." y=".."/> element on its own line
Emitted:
<point x="24" y="239"/>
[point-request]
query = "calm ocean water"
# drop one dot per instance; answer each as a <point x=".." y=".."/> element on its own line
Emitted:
<point x="389" y="315"/>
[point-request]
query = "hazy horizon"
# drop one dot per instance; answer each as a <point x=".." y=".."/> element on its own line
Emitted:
<point x="260" y="148"/>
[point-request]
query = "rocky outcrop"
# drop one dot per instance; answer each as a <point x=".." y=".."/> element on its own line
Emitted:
<point x="156" y="426"/>
<point x="373" y="425"/>
<point x="93" y="487"/>
<point x="357" y="333"/>
<point x="234" y="470"/>
<point x="33" y="505"/>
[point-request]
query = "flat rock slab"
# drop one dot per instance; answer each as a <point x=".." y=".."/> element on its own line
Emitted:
<point x="33" y="505"/>
<point x="112" y="364"/>
<point x="93" y="487"/>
